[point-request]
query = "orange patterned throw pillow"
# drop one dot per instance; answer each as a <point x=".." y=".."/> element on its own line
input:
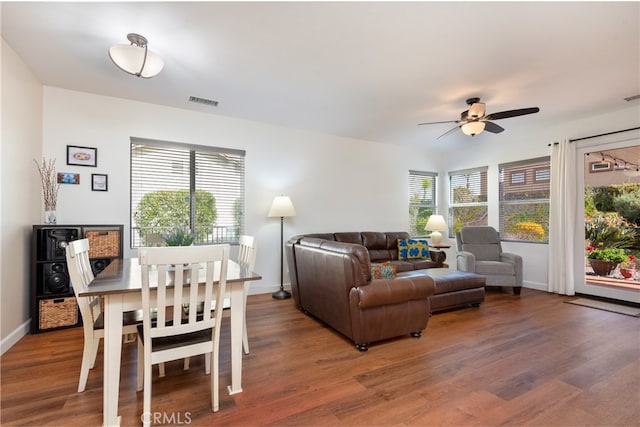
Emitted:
<point x="383" y="270"/>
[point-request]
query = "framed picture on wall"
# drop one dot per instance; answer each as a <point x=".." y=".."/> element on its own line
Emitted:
<point x="82" y="156"/>
<point x="98" y="182"/>
<point x="68" y="178"/>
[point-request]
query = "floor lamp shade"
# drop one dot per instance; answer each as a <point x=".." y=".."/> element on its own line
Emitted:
<point x="281" y="207"/>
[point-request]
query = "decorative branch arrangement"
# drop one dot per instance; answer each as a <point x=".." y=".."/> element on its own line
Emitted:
<point x="50" y="184"/>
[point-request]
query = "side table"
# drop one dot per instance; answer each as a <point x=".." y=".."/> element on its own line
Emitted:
<point x="439" y="249"/>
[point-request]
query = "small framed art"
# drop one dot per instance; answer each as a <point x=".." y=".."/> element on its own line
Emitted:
<point x="68" y="178"/>
<point x="98" y="182"/>
<point x="82" y="156"/>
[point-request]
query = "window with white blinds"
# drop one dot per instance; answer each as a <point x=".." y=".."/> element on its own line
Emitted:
<point x="524" y="200"/>
<point x="198" y="189"/>
<point x="467" y="198"/>
<point x="422" y="200"/>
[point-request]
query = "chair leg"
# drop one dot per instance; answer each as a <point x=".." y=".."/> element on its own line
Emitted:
<point x="215" y="392"/>
<point x="146" y="405"/>
<point x="87" y="362"/>
<point x="245" y="340"/>
<point x="94" y="350"/>
<point x="140" y="372"/>
<point x="161" y="370"/>
<point x="207" y="363"/>
<point x="516" y="290"/>
<point x="187" y="361"/>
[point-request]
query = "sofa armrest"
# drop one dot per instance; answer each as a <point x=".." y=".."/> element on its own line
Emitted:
<point x="516" y="261"/>
<point x="466" y="261"/>
<point x="392" y="291"/>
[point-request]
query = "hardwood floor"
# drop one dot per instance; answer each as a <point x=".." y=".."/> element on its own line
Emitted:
<point x="528" y="360"/>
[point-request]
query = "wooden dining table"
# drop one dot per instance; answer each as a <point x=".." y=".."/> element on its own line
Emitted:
<point x="120" y="287"/>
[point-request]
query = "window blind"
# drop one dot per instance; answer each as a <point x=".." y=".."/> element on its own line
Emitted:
<point x="467" y="198"/>
<point x="524" y="200"/>
<point x="196" y="188"/>
<point x="422" y="200"/>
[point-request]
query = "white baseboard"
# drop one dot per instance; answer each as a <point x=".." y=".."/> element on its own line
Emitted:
<point x="537" y="286"/>
<point x="14" y="336"/>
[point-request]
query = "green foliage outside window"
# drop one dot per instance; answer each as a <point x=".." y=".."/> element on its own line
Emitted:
<point x="468" y="215"/>
<point x="421" y="207"/>
<point x="171" y="209"/>
<point x="612" y="216"/>
<point x="529" y="223"/>
<point x="628" y="205"/>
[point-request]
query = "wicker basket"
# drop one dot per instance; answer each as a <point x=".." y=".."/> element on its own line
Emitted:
<point x="104" y="243"/>
<point x="58" y="312"/>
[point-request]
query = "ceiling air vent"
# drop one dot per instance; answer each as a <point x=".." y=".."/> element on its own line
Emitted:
<point x="632" y="98"/>
<point x="203" y="101"/>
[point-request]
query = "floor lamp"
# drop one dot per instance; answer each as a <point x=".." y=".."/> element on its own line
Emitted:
<point x="282" y="207"/>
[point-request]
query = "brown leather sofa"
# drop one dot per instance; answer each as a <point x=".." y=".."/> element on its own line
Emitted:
<point x="382" y="247"/>
<point x="331" y="280"/>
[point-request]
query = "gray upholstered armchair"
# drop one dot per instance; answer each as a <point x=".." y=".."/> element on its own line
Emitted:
<point x="480" y="252"/>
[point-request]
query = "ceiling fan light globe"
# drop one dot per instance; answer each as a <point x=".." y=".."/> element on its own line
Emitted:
<point x="476" y="110"/>
<point x="472" y="128"/>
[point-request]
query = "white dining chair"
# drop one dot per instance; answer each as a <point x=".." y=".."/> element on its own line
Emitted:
<point x="187" y="274"/>
<point x="80" y="273"/>
<point x="246" y="259"/>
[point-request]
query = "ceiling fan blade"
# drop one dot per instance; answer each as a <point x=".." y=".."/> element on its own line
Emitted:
<point x="492" y="127"/>
<point x="511" y="113"/>
<point x="449" y="132"/>
<point x="435" y="123"/>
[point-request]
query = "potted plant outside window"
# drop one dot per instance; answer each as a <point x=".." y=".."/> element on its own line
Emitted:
<point x="604" y="261"/>
<point x="628" y="268"/>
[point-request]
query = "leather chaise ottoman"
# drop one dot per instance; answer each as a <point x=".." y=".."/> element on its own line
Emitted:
<point x="454" y="288"/>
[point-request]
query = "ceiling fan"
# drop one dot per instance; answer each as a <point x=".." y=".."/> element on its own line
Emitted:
<point x="473" y="121"/>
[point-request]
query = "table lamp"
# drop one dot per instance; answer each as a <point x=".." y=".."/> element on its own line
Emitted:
<point x="436" y="224"/>
<point x="281" y="207"/>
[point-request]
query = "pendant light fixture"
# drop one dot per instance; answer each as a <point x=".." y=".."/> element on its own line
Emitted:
<point x="135" y="58"/>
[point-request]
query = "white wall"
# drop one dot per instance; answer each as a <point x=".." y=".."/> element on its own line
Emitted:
<point x="21" y="192"/>
<point x="335" y="183"/>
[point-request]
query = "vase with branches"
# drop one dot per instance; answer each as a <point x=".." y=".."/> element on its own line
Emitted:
<point x="50" y="187"/>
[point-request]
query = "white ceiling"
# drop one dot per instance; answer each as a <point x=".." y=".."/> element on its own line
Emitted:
<point x="367" y="70"/>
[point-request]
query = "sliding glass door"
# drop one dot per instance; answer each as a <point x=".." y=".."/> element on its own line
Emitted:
<point x="607" y="172"/>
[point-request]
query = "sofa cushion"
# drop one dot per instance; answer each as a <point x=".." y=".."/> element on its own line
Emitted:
<point x="495" y="268"/>
<point x="376" y="244"/>
<point x="392" y="242"/>
<point x="413" y="249"/>
<point x="414" y="264"/>
<point x="449" y="280"/>
<point x="383" y="270"/>
<point x="354" y="237"/>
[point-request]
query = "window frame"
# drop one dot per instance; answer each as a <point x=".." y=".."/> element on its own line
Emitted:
<point x="532" y="185"/>
<point x="233" y="202"/>
<point x="482" y="186"/>
<point x="412" y="189"/>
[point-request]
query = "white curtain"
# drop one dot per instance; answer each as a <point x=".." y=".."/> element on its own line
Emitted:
<point x="562" y="218"/>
